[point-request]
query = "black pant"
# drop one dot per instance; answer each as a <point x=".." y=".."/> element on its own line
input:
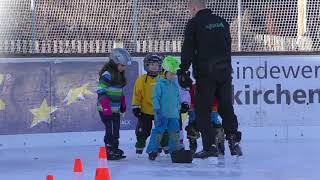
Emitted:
<point x="144" y="125"/>
<point x="143" y="129"/>
<point x="180" y="121"/>
<point x="215" y="82"/>
<point x="112" y="125"/>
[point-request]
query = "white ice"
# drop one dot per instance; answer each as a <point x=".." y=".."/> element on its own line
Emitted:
<point x="272" y="159"/>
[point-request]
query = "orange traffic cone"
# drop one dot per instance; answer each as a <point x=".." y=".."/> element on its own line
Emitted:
<point x="102" y="158"/>
<point x="77" y="170"/>
<point x="102" y="174"/>
<point x="49" y="177"/>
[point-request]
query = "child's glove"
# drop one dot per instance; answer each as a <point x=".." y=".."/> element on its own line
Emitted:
<point x="158" y="117"/>
<point x="184" y="79"/>
<point x="136" y="112"/>
<point x="192" y="116"/>
<point x="123" y="105"/>
<point x="106" y="108"/>
<point x="184" y="107"/>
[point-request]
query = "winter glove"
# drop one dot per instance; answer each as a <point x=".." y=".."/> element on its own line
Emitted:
<point x="106" y="108"/>
<point x="158" y="117"/>
<point x="137" y="112"/>
<point x="192" y="116"/>
<point x="123" y="105"/>
<point x="184" y="79"/>
<point x="184" y="107"/>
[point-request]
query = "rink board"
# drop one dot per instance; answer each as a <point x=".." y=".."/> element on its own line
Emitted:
<point x="279" y="92"/>
<point x="68" y="86"/>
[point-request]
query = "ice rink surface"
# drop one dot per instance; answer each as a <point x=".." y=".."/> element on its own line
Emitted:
<point x="263" y="159"/>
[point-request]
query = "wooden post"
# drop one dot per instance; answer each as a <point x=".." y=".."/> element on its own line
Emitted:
<point x="73" y="46"/>
<point x="110" y="44"/>
<point x="49" y="46"/>
<point x="91" y="48"/>
<point x="55" y="46"/>
<point x="161" y="48"/>
<point x="103" y="46"/>
<point x="18" y="50"/>
<point x="168" y="46"/>
<point x="156" y="46"/>
<point x="138" y="46"/>
<point x="60" y="46"/>
<point x="79" y="47"/>
<point x="85" y="46"/>
<point x="67" y="49"/>
<point x="97" y="46"/>
<point x="174" y="46"/>
<point x="150" y="46"/>
<point x="144" y="46"/>
<point x="302" y="21"/>
<point x="43" y="46"/>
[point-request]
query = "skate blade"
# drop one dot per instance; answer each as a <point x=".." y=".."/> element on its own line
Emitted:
<point x="221" y="161"/>
<point x="117" y="158"/>
<point x="213" y="160"/>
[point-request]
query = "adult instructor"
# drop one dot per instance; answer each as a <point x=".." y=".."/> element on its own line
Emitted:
<point x="207" y="46"/>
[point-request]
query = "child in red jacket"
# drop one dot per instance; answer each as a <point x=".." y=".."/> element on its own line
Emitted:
<point x="192" y="131"/>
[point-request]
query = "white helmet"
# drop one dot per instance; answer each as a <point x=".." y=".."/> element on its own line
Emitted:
<point x="120" y="56"/>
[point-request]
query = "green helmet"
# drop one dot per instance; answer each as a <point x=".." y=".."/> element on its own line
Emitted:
<point x="171" y="64"/>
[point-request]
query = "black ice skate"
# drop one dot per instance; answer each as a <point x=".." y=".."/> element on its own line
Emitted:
<point x="114" y="153"/>
<point x="212" y="152"/>
<point x="221" y="149"/>
<point x="139" y="151"/>
<point x="193" y="145"/>
<point x="153" y="156"/>
<point x="234" y="144"/>
<point x="119" y="153"/>
<point x="165" y="150"/>
<point x="235" y="148"/>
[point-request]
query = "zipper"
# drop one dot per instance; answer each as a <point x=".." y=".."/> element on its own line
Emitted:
<point x="170" y="87"/>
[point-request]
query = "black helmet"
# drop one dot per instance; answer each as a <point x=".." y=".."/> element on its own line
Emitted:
<point x="152" y="58"/>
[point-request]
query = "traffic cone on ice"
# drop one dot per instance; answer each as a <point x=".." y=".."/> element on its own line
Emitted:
<point x="49" y="177"/>
<point x="102" y="158"/>
<point x="102" y="174"/>
<point x="77" y="170"/>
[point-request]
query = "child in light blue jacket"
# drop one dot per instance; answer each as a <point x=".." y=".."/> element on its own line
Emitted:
<point x="166" y="106"/>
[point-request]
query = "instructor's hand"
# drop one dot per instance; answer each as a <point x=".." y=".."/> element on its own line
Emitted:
<point x="184" y="79"/>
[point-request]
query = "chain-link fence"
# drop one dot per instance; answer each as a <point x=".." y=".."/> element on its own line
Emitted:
<point x="96" y="26"/>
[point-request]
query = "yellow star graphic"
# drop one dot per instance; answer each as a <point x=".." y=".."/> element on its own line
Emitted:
<point x="77" y="93"/>
<point x="2" y="105"/>
<point x="1" y="78"/>
<point x="42" y="114"/>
